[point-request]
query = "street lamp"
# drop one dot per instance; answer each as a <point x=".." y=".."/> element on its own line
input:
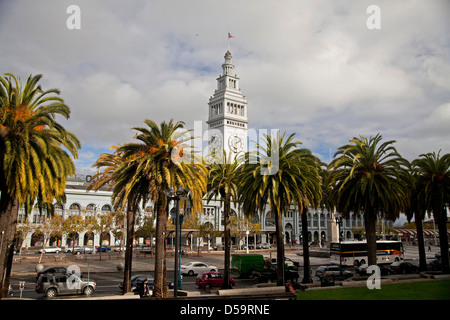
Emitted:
<point x="177" y="195"/>
<point x="339" y="223"/>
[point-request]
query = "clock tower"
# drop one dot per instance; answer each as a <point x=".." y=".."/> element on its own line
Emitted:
<point x="227" y="121"/>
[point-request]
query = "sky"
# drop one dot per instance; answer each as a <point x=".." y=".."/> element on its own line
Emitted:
<point x="314" y="68"/>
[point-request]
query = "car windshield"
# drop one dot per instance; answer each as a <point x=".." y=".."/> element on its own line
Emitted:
<point x="188" y="264"/>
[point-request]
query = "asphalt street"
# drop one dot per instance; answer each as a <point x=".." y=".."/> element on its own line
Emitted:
<point x="107" y="277"/>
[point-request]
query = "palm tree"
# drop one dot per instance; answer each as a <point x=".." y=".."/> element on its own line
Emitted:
<point x="415" y="209"/>
<point x="292" y="180"/>
<point x="369" y="176"/>
<point x="161" y="160"/>
<point x="35" y="155"/>
<point x="223" y="181"/>
<point x="124" y="197"/>
<point x="321" y="199"/>
<point x="433" y="176"/>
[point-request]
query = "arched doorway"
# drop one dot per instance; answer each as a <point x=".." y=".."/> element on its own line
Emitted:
<point x="288" y="233"/>
<point x="88" y="239"/>
<point x="37" y="239"/>
<point x="105" y="238"/>
<point x="72" y="239"/>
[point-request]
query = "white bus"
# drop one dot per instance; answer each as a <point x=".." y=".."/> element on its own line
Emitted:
<point x="354" y="253"/>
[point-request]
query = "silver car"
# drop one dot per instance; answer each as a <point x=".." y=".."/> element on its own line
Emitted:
<point x="196" y="267"/>
<point x="52" y="285"/>
<point x="50" y="249"/>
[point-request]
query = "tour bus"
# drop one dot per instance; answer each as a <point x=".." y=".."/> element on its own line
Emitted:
<point x="355" y="252"/>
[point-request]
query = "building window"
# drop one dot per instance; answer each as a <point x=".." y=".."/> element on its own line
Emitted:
<point x="106" y="209"/>
<point x="75" y="209"/>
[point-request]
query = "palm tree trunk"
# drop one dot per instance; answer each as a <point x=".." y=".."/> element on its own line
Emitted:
<point x="128" y="250"/>
<point x="227" y="236"/>
<point x="306" y="262"/>
<point x="440" y="215"/>
<point x="280" y="248"/>
<point x="370" y="221"/>
<point x="421" y="241"/>
<point x="160" y="257"/>
<point x="8" y="221"/>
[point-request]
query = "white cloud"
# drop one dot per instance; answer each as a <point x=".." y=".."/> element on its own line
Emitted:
<point x="310" y="67"/>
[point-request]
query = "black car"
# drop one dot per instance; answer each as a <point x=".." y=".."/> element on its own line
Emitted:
<point x="137" y="282"/>
<point x="403" y="267"/>
<point x="270" y="275"/>
<point x="362" y="270"/>
<point x="434" y="264"/>
<point x="53" y="270"/>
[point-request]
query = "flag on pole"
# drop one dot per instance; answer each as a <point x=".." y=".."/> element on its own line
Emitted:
<point x="228" y="40"/>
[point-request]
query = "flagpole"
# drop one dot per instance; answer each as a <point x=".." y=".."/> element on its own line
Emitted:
<point x="228" y="42"/>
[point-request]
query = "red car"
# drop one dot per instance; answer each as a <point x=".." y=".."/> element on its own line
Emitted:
<point x="211" y="279"/>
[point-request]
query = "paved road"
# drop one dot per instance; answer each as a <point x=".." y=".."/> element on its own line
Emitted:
<point x="108" y="278"/>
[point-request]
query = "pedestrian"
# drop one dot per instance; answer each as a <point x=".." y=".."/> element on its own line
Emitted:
<point x="429" y="248"/>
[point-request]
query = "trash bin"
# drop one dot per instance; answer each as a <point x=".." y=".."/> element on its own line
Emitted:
<point x="327" y="281"/>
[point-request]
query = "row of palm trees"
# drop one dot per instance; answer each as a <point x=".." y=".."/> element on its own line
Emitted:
<point x="367" y="175"/>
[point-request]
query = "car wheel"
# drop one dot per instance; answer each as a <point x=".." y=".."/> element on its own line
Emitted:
<point x="191" y="273"/>
<point x="207" y="286"/>
<point x="88" y="291"/>
<point x="51" y="293"/>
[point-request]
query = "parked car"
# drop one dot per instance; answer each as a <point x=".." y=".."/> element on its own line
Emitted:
<point x="79" y="249"/>
<point x="197" y="267"/>
<point x="103" y="249"/>
<point x="333" y="271"/>
<point x="52" y="285"/>
<point x="434" y="264"/>
<point x="87" y="249"/>
<point x="138" y="280"/>
<point x="270" y="275"/>
<point x="263" y="246"/>
<point x="53" y="270"/>
<point x="403" y="267"/>
<point x="212" y="279"/>
<point x="362" y="270"/>
<point x="50" y="249"/>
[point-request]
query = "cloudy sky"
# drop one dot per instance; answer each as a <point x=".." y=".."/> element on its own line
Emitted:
<point x="312" y="68"/>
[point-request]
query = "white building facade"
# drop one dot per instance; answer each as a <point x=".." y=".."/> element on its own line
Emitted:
<point x="227" y="130"/>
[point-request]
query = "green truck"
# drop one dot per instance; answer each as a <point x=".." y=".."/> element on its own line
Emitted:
<point x="245" y="264"/>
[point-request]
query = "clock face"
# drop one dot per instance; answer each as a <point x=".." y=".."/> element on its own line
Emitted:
<point x="215" y="141"/>
<point x="236" y="143"/>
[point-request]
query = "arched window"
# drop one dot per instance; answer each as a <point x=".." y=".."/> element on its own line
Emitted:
<point x="59" y="209"/>
<point x="75" y="209"/>
<point x="106" y="208"/>
<point x="90" y="210"/>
